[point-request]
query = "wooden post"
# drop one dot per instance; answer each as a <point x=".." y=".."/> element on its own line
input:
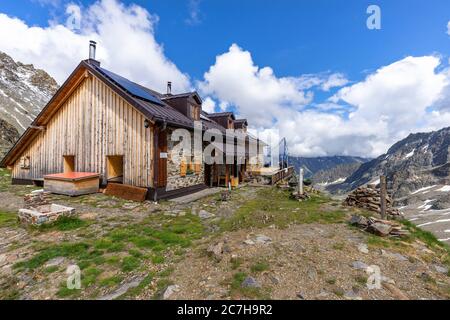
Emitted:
<point x="383" y="196"/>
<point x="300" y="181"/>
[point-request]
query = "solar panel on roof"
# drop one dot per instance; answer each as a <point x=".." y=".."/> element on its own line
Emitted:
<point x="131" y="87"/>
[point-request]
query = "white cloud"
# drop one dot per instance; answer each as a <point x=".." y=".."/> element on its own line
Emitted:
<point x="125" y="37"/>
<point x="208" y="105"/>
<point x="363" y="119"/>
<point x="257" y="92"/>
<point x="194" y="12"/>
<point x="333" y="81"/>
<point x="448" y="28"/>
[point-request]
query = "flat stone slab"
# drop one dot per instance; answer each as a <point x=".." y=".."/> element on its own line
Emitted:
<point x="196" y="196"/>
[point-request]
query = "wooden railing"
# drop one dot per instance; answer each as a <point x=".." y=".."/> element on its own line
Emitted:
<point x="282" y="174"/>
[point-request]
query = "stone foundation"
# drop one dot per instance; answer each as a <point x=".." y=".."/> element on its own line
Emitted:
<point x="44" y="214"/>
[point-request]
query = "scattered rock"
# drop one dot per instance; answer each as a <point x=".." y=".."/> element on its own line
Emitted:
<point x="359" y="265"/>
<point x="360" y="221"/>
<point x="274" y="279"/>
<point x="300" y="296"/>
<point x="379" y="229"/>
<point x="250" y="282"/>
<point x="170" y="291"/>
<point x="262" y="239"/>
<point x="352" y="295"/>
<point x="225" y="196"/>
<point x="396" y="292"/>
<point x="396" y="256"/>
<point x="249" y="242"/>
<point x="203" y="214"/>
<point x="441" y="269"/>
<point x="122" y="289"/>
<point x="312" y="274"/>
<point x="130" y="206"/>
<point x="55" y="262"/>
<point x="362" y="247"/>
<point x="216" y="250"/>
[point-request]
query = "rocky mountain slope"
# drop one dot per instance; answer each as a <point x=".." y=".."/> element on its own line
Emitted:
<point x="24" y="91"/>
<point x="8" y="136"/>
<point x="336" y="174"/>
<point x="418" y="161"/>
<point x="312" y="165"/>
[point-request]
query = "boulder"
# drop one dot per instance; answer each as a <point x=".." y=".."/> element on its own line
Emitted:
<point x="250" y="282"/>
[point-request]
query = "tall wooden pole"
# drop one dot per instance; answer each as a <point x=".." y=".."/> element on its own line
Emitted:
<point x="383" y="196"/>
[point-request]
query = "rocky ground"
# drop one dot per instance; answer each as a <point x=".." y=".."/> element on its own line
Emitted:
<point x="258" y="244"/>
<point x="429" y="208"/>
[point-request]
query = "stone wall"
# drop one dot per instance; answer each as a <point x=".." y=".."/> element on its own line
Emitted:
<point x="174" y="179"/>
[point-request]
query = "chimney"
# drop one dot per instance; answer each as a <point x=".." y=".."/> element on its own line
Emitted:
<point x="92" y="52"/>
<point x="169" y="87"/>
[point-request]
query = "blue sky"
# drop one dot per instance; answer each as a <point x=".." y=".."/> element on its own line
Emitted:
<point x="292" y="36"/>
<point x="295" y="40"/>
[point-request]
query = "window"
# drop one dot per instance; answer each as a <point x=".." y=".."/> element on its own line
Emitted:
<point x="195" y="112"/>
<point x="25" y="162"/>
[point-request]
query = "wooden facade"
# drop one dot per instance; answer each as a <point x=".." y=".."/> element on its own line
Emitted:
<point x="95" y="124"/>
<point x="91" y="124"/>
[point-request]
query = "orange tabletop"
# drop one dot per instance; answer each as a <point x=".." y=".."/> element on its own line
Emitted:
<point x="72" y="176"/>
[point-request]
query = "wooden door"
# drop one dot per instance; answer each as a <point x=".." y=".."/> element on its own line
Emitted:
<point x="161" y="155"/>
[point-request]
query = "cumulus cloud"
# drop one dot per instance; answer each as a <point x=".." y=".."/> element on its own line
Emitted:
<point x="58" y="48"/>
<point x="364" y="119"/>
<point x="257" y="92"/>
<point x="448" y="28"/>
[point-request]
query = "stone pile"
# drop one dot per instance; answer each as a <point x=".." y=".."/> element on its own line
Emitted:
<point x="369" y="198"/>
<point x="300" y="197"/>
<point x="38" y="210"/>
<point x="382" y="228"/>
<point x="36" y="199"/>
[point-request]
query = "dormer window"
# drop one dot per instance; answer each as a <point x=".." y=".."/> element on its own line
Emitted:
<point x="230" y="123"/>
<point x="195" y="112"/>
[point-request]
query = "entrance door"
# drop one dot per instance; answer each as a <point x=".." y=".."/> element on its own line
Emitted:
<point x="161" y="156"/>
<point x="114" y="169"/>
<point x="69" y="164"/>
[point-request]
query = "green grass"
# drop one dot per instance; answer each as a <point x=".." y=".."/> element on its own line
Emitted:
<point x="7" y="219"/>
<point x="130" y="263"/>
<point x="89" y="276"/>
<point x="236" y="263"/>
<point x="274" y="207"/>
<point x="425" y="236"/>
<point x="64" y="292"/>
<point x="111" y="281"/>
<point x="51" y="269"/>
<point x="69" y="250"/>
<point x="259" y="267"/>
<point x="338" y="246"/>
<point x="64" y="224"/>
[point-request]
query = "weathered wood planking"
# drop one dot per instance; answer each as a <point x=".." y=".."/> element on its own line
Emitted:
<point x="91" y="124"/>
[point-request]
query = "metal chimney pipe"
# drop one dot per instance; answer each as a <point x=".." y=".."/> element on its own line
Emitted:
<point x="92" y="49"/>
<point x="169" y="87"/>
